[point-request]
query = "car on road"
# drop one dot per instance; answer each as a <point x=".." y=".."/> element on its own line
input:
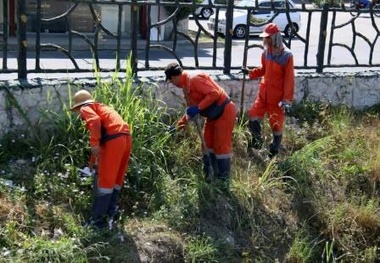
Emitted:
<point x="259" y="15"/>
<point x="204" y="12"/>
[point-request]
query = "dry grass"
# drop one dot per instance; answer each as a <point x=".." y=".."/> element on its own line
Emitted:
<point x="12" y="210"/>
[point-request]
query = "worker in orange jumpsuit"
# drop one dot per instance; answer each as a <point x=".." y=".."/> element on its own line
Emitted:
<point x="276" y="90"/>
<point x="207" y="98"/>
<point x="111" y="143"/>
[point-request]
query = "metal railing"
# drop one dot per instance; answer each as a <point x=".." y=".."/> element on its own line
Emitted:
<point x="187" y="46"/>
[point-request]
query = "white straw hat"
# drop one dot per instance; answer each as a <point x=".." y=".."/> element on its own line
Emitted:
<point x="80" y="98"/>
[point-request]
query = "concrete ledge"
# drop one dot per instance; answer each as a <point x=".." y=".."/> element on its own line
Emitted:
<point x="356" y="90"/>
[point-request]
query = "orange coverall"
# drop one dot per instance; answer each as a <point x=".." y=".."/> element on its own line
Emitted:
<point x="109" y="131"/>
<point x="203" y="91"/>
<point x="277" y="84"/>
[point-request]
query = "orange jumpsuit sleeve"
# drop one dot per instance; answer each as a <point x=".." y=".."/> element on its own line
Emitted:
<point x="93" y="124"/>
<point x="259" y="71"/>
<point x="289" y="80"/>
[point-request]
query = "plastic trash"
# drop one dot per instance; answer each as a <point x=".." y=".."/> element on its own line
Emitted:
<point x="7" y="182"/>
<point x="86" y="172"/>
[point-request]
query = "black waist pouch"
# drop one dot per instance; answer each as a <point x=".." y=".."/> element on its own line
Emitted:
<point x="214" y="111"/>
<point x="105" y="137"/>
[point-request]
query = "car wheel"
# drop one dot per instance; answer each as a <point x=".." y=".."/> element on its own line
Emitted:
<point x="376" y="10"/>
<point x="206" y="12"/>
<point x="289" y="31"/>
<point x="240" y="31"/>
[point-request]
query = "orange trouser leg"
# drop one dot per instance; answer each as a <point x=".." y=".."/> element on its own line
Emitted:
<point x="124" y="163"/>
<point x="113" y="162"/>
<point x="275" y="114"/>
<point x="257" y="110"/>
<point x="218" y="133"/>
<point x="276" y="118"/>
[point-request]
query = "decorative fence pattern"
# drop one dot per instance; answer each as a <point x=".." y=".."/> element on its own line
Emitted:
<point x="329" y="37"/>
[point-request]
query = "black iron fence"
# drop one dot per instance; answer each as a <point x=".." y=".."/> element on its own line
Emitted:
<point x="151" y="33"/>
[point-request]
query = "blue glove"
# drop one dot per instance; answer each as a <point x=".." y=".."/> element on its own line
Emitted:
<point x="192" y="111"/>
<point x="285" y="106"/>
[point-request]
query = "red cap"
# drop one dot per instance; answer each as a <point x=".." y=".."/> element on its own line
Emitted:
<point x="270" y="29"/>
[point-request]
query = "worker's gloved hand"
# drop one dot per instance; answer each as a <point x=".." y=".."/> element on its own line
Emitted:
<point x="172" y="129"/>
<point x="192" y="111"/>
<point x="181" y="124"/>
<point x="245" y="70"/>
<point x="285" y="106"/>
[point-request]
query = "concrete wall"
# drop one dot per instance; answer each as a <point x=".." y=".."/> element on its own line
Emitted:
<point x="27" y="100"/>
<point x="357" y="90"/>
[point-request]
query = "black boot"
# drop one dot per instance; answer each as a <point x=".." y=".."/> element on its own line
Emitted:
<point x="274" y="147"/>
<point x="99" y="210"/>
<point x="214" y="164"/>
<point x="224" y="166"/>
<point x="256" y="140"/>
<point x="208" y="169"/>
<point x="113" y="210"/>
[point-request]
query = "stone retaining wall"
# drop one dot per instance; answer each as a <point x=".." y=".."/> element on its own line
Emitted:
<point x="23" y="102"/>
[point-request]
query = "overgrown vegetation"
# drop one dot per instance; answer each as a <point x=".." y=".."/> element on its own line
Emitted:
<point x="318" y="201"/>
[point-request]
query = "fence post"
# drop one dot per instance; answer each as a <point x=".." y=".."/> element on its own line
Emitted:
<point x="21" y="37"/>
<point x="322" y="38"/>
<point x="5" y="34"/>
<point x="228" y="37"/>
<point x="134" y="12"/>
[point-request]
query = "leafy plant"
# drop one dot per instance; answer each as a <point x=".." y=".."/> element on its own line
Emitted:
<point x="302" y="249"/>
<point x="328" y="252"/>
<point x="201" y="249"/>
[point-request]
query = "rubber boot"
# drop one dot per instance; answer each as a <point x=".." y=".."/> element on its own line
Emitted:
<point x="100" y="210"/>
<point x="256" y="141"/>
<point x="224" y="167"/>
<point x="113" y="205"/>
<point x="113" y="209"/>
<point x="214" y="164"/>
<point x="208" y="169"/>
<point x="274" y="147"/>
